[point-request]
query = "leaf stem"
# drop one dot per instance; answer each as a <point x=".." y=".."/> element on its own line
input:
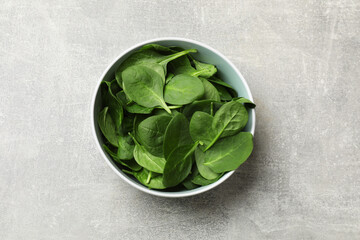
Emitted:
<point x="128" y="172"/>
<point x="148" y="177"/>
<point x="213" y="141"/>
<point x="171" y="57"/>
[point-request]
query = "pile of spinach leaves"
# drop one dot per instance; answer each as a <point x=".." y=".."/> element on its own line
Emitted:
<point x="170" y="122"/>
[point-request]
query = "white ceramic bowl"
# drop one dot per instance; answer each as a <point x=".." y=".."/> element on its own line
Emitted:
<point x="226" y="70"/>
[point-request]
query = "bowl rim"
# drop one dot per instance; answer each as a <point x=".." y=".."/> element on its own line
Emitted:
<point x="122" y="175"/>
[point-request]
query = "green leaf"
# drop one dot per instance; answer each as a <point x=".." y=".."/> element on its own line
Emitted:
<point x="158" y="48"/>
<point x="204" y="170"/>
<point x="149" y="57"/>
<point x="218" y="81"/>
<point x="126" y="148"/>
<point x="156" y="181"/>
<point x="107" y="127"/>
<point x="169" y="77"/>
<point x="207" y="70"/>
<point x="178" y="165"/>
<point x="110" y="100"/>
<point x="144" y="86"/>
<point x="200" y="180"/>
<point x="223" y="93"/>
<point x="151" y="133"/>
<point x="147" y="160"/>
<point x="200" y="105"/>
<point x="176" y="134"/>
<point x="201" y="128"/>
<point x="229" y="153"/>
<point x="132" y="107"/>
<point x="230" y="119"/>
<point x="183" y="89"/>
<point x="210" y="92"/>
<point x="246" y="102"/>
<point x="131" y="164"/>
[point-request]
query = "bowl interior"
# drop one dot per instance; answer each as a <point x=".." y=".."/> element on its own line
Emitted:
<point x="226" y="71"/>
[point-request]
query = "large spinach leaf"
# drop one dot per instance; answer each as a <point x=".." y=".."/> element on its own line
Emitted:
<point x="229" y="153"/>
<point x="183" y="89"/>
<point x="230" y="119"/>
<point x="204" y="170"/>
<point x="144" y="86"/>
<point x="178" y="165"/>
<point x="176" y="134"/>
<point x="201" y="128"/>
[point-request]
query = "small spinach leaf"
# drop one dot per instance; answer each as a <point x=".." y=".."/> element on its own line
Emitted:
<point x="126" y="148"/>
<point x="132" y="107"/>
<point x="223" y="93"/>
<point x="218" y="81"/>
<point x="110" y="100"/>
<point x="132" y="164"/>
<point x="207" y="70"/>
<point x="204" y="170"/>
<point x="200" y="180"/>
<point x="151" y="133"/>
<point x="107" y="127"/>
<point x="210" y="92"/>
<point x="156" y="182"/>
<point x="200" y="105"/>
<point x="247" y="103"/>
<point x="146" y="159"/>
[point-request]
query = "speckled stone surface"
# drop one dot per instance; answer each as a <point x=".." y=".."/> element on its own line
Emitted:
<point x="301" y="60"/>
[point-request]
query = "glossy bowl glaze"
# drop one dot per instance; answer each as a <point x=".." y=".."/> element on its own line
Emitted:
<point x="226" y="71"/>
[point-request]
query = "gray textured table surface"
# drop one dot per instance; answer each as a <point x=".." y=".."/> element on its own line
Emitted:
<point x="301" y="60"/>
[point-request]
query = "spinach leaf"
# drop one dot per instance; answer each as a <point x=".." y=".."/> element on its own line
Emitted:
<point x="150" y="58"/>
<point x="158" y="48"/>
<point x="132" y="107"/>
<point x="207" y="70"/>
<point x="178" y="165"/>
<point x="204" y="170"/>
<point x="210" y="92"/>
<point x="218" y="81"/>
<point x="229" y="153"/>
<point x="176" y="134"/>
<point x="200" y="180"/>
<point x="107" y="127"/>
<point x="151" y="133"/>
<point x="183" y="89"/>
<point x="223" y="93"/>
<point x="126" y="148"/>
<point x="144" y="86"/>
<point x="156" y="182"/>
<point x="146" y="159"/>
<point x="169" y="77"/>
<point x="201" y="128"/>
<point x="200" y="105"/>
<point x="230" y="119"/>
<point x="109" y="100"/>
<point x="187" y="183"/>
<point x="131" y="164"/>
<point x="247" y="103"/>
